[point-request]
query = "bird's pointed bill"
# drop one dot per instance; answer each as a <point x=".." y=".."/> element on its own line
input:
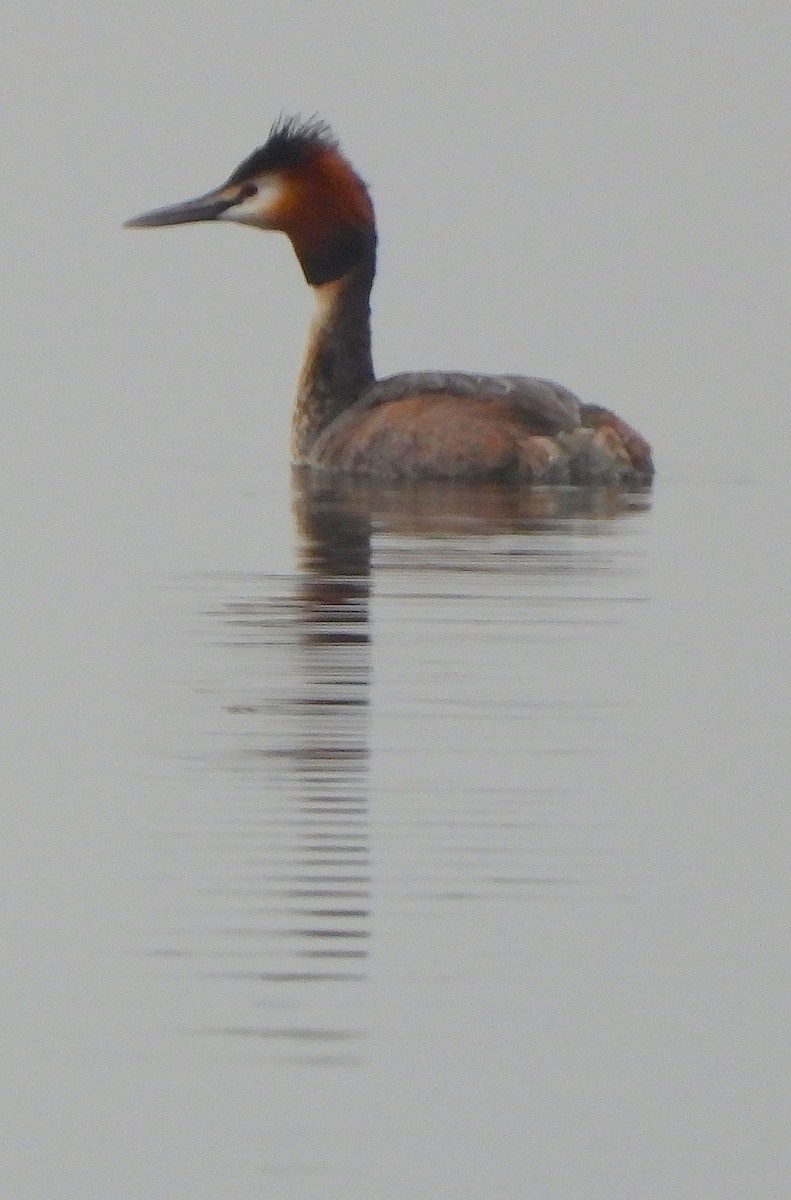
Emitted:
<point x="202" y="208"/>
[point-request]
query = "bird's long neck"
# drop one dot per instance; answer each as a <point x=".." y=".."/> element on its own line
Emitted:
<point x="337" y="365"/>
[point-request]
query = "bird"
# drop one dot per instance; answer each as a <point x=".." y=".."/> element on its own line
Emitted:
<point x="423" y="425"/>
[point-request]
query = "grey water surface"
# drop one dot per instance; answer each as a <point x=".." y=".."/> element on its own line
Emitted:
<point x="449" y="860"/>
<point x="465" y="854"/>
<point x="422" y="844"/>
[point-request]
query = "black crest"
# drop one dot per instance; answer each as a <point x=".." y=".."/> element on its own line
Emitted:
<point x="292" y="142"/>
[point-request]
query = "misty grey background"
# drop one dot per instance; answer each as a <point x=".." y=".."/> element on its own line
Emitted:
<point x="597" y="194"/>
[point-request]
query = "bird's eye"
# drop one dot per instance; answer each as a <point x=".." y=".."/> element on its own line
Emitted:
<point x="247" y="190"/>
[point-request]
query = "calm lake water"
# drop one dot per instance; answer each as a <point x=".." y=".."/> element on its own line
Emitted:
<point x="448" y="861"/>
<point x="418" y="845"/>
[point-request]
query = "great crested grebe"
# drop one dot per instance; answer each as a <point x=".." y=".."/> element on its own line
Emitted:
<point x="421" y="425"/>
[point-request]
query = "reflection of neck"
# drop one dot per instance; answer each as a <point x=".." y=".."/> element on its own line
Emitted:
<point x="337" y="365"/>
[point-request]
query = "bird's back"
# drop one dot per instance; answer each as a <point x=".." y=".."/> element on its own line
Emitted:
<point x="453" y="425"/>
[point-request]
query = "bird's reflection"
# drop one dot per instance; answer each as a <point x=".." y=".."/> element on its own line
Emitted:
<point x="344" y="513"/>
<point x="298" y="700"/>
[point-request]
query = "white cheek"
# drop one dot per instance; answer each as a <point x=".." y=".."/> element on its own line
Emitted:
<point x="257" y="208"/>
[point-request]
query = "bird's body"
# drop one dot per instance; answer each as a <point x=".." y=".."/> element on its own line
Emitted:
<point x="422" y="425"/>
